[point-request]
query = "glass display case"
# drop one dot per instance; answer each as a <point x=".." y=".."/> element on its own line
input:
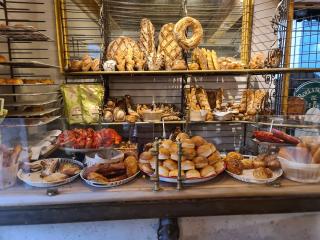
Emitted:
<point x="180" y="129"/>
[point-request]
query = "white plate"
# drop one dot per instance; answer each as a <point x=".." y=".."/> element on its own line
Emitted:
<point x="34" y="179"/>
<point x="188" y="181"/>
<point x="108" y="185"/>
<point x="247" y="175"/>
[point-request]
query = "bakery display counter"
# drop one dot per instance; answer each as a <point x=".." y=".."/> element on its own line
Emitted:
<point x="223" y="195"/>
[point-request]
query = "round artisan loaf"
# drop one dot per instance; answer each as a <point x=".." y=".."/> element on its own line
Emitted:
<point x="180" y="33"/>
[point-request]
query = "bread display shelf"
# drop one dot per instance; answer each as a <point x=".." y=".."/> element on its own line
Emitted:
<point x="34" y="103"/>
<point x="31" y="64"/>
<point x="311" y="126"/>
<point x="16" y="122"/>
<point x="32" y="114"/>
<point x="198" y="72"/>
<point x="28" y="94"/>
<point x="25" y="34"/>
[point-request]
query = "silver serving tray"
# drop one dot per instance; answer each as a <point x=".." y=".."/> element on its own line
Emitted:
<point x="37" y="182"/>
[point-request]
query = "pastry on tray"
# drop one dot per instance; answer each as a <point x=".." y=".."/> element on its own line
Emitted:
<point x="195" y="155"/>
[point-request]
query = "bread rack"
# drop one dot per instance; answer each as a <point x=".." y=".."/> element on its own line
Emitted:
<point x="22" y="40"/>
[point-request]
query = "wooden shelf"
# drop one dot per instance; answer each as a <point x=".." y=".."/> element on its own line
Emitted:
<point x="198" y="72"/>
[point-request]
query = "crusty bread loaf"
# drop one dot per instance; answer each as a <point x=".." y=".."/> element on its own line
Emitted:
<point x="146" y="41"/>
<point x="168" y="46"/>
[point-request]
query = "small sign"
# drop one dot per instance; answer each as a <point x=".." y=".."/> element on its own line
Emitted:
<point x="310" y="92"/>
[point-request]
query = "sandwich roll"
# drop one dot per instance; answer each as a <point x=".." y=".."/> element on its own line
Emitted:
<point x="164" y="153"/>
<point x="200" y="162"/>
<point x="174" y="173"/>
<point x="170" y="164"/>
<point x="187" y="165"/>
<point x="214" y="157"/>
<point x="207" y="171"/>
<point x="189" y="153"/>
<point x="182" y="136"/>
<point x="163" y="171"/>
<point x="193" y="174"/>
<point x="166" y="144"/>
<point x="175" y="157"/>
<point x="198" y="141"/>
<point x="187" y="143"/>
<point x="205" y="150"/>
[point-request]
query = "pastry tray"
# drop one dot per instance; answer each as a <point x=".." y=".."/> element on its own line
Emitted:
<point x="16" y="122"/>
<point x="29" y="94"/>
<point x="32" y="114"/>
<point x="23" y="33"/>
<point x="31" y="103"/>
<point x="31" y="64"/>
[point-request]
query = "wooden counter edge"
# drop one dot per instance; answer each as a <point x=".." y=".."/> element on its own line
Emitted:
<point x="83" y="212"/>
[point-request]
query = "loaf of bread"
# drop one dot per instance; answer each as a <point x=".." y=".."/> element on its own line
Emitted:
<point x="168" y="46"/>
<point x="146" y="40"/>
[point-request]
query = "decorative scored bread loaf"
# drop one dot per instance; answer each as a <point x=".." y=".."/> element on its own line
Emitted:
<point x="168" y="46"/>
<point x="146" y="41"/>
<point x="124" y="48"/>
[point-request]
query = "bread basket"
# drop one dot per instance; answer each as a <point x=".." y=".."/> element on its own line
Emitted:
<point x="152" y="116"/>
<point x="300" y="172"/>
<point x="198" y="116"/>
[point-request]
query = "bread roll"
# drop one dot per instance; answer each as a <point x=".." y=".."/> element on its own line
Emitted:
<point x="214" y="157"/>
<point x="145" y="157"/>
<point x="189" y="153"/>
<point x="187" y="165"/>
<point x="200" y="162"/>
<point x="163" y="171"/>
<point x="164" y="153"/>
<point x="86" y="63"/>
<point x="207" y="171"/>
<point x="198" y="140"/>
<point x="187" y="143"/>
<point x="193" y="174"/>
<point x="170" y="164"/>
<point x="204" y="150"/>
<point x="166" y="144"/>
<point x="182" y="136"/>
<point x="174" y="173"/>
